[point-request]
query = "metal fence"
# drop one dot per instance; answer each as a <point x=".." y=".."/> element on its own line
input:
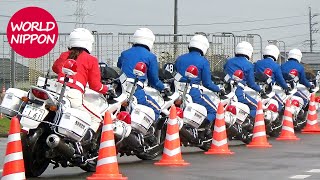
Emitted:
<point x="17" y="71"/>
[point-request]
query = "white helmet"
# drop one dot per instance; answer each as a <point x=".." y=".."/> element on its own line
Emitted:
<point x="144" y="36"/>
<point x="200" y="42"/>
<point x="272" y="50"/>
<point x="81" y="37"/>
<point x="295" y="54"/>
<point x="244" y="48"/>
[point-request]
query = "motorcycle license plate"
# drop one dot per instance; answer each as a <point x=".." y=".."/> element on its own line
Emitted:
<point x="32" y="113"/>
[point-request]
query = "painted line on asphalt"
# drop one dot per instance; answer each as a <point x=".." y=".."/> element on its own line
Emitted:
<point x="299" y="176"/>
<point x="314" y="171"/>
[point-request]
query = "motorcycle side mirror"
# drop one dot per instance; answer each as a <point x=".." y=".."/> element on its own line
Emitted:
<point x="70" y="67"/>
<point x="192" y="72"/>
<point x="140" y="69"/>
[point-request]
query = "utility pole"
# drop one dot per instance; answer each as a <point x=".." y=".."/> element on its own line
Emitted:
<point x="311" y="29"/>
<point x="175" y="28"/>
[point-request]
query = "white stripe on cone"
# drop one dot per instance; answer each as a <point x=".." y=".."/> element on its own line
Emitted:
<point x="14" y="137"/>
<point x="171" y="137"/>
<point x="219" y="143"/>
<point x="259" y="134"/>
<point x="108" y="143"/>
<point x="259" y="123"/>
<point x="288" y="129"/>
<point x="259" y="111"/>
<point x="107" y="160"/>
<point x="172" y="121"/>
<point x="219" y="129"/>
<point x="15" y="176"/>
<point x="312" y="112"/>
<point x="220" y="116"/>
<point x="172" y="152"/>
<point x="312" y="122"/>
<point x="13" y="157"/>
<point x="107" y="127"/>
<point x="287" y="118"/>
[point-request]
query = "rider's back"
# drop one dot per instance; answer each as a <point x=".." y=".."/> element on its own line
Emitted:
<point x="87" y="71"/>
<point x="192" y="58"/>
<point x="129" y="58"/>
<point x="238" y="63"/>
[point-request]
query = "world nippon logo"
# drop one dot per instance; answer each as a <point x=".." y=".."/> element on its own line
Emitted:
<point x="32" y="32"/>
<point x="25" y="38"/>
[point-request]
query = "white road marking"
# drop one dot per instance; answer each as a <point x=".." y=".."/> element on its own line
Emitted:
<point x="314" y="171"/>
<point x="299" y="176"/>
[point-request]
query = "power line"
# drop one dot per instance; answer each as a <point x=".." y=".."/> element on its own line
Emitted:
<point x="297" y="35"/>
<point x="238" y="22"/>
<point x="170" y="25"/>
<point x="272" y="27"/>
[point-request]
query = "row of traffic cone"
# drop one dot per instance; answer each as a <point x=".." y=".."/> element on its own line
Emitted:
<point x="107" y="166"/>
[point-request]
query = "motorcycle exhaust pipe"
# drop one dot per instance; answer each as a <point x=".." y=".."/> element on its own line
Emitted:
<point x="55" y="142"/>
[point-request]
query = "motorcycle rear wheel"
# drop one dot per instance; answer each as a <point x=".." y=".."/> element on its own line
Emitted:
<point x="33" y="154"/>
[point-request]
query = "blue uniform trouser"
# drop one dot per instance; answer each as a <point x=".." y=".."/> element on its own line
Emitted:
<point x="303" y="96"/>
<point x="202" y="99"/>
<point x="147" y="100"/>
<point x="248" y="100"/>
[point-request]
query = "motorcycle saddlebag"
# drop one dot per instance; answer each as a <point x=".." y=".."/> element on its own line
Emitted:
<point x="194" y="114"/>
<point x="12" y="101"/>
<point x="74" y="123"/>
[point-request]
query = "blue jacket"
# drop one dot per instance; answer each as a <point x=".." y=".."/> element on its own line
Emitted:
<point x="242" y="63"/>
<point x="195" y="58"/>
<point x="294" y="64"/>
<point x="129" y="58"/>
<point x="263" y="64"/>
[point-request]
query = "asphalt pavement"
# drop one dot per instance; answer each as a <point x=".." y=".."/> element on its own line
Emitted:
<point x="285" y="160"/>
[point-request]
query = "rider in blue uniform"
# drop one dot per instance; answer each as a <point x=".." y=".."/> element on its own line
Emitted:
<point x="270" y="56"/>
<point x="143" y="40"/>
<point x="243" y="54"/>
<point x="294" y="59"/>
<point x="198" y="47"/>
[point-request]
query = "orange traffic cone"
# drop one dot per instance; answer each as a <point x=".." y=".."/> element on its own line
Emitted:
<point x="312" y="126"/>
<point x="172" y="153"/>
<point x="259" y="139"/>
<point x="13" y="162"/>
<point x="107" y="166"/>
<point x="219" y="143"/>
<point x="287" y="132"/>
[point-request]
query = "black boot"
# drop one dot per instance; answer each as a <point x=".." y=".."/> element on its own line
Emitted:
<point x="248" y="124"/>
<point x="246" y="137"/>
<point x="207" y="125"/>
<point x="233" y="131"/>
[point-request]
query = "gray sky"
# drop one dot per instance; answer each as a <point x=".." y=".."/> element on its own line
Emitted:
<point x="294" y="32"/>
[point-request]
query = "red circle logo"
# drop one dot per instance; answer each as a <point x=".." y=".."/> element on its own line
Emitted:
<point x="32" y="32"/>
